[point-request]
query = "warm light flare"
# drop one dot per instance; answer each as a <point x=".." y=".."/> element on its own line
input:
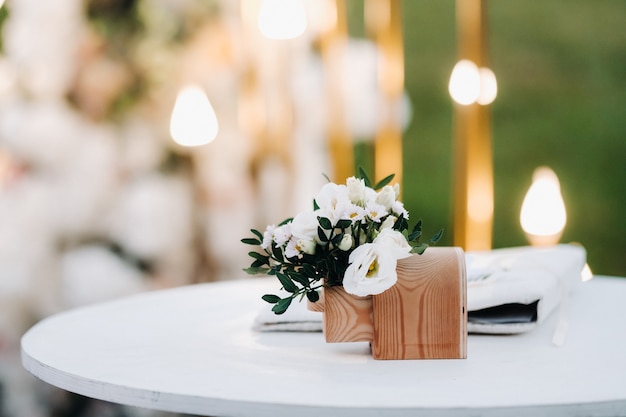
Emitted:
<point x="470" y="84"/>
<point x="193" y="120"/>
<point x="282" y="19"/>
<point x="488" y="86"/>
<point x="464" y="86"/>
<point x="543" y="215"/>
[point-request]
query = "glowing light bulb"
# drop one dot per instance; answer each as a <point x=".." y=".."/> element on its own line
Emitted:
<point x="464" y="86"/>
<point x="488" y="86"/>
<point x="193" y="120"/>
<point x="543" y="215"/>
<point x="282" y="19"/>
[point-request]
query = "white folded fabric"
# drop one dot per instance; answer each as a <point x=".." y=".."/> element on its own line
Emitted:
<point x="520" y="287"/>
<point x="297" y="318"/>
<point x="509" y="290"/>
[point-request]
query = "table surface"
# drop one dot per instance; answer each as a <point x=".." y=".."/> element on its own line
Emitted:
<point x="192" y="350"/>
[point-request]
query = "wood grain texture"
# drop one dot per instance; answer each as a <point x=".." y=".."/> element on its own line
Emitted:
<point x="423" y="316"/>
<point x="347" y="318"/>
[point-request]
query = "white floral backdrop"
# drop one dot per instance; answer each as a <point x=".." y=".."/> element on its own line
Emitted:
<point x="97" y="202"/>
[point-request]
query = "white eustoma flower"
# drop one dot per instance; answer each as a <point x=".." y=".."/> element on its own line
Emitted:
<point x="386" y="197"/>
<point x="372" y="266"/>
<point x="372" y="270"/>
<point x="304" y="225"/>
<point x="394" y="242"/>
<point x="268" y="236"/>
<point x="356" y="190"/>
<point x="331" y="195"/>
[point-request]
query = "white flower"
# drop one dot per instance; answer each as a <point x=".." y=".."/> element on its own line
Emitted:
<point x="292" y="250"/>
<point x="372" y="270"/>
<point x="386" y="197"/>
<point x="394" y="242"/>
<point x="346" y="242"/>
<point x="268" y="236"/>
<point x="372" y="266"/>
<point x="282" y="234"/>
<point x="375" y="211"/>
<point x="396" y="189"/>
<point x="295" y="247"/>
<point x="351" y="212"/>
<point x="307" y="246"/>
<point x="389" y="222"/>
<point x="304" y="225"/>
<point x="398" y="208"/>
<point x="356" y="190"/>
<point x="330" y="196"/>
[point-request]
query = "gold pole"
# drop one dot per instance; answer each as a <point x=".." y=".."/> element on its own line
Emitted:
<point x="473" y="160"/>
<point x="332" y="46"/>
<point x="383" y="20"/>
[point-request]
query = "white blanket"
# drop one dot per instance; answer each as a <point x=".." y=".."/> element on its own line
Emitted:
<point x="500" y="282"/>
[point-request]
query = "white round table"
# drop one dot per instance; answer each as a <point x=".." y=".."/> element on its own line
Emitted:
<point x="192" y="350"/>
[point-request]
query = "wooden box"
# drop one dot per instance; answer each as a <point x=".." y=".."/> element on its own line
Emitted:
<point x="423" y="316"/>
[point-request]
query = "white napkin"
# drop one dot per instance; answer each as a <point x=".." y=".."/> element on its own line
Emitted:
<point x="297" y="318"/>
<point x="523" y="275"/>
<point x="539" y="278"/>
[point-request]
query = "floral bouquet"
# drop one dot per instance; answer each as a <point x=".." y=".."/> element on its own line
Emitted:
<point x="353" y="236"/>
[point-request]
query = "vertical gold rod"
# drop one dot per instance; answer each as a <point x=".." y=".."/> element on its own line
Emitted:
<point x="333" y="46"/>
<point x="383" y="20"/>
<point x="473" y="156"/>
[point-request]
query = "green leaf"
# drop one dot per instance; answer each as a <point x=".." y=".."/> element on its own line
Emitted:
<point x="364" y="177"/>
<point x="416" y="233"/>
<point x="344" y="224"/>
<point x="384" y="181"/>
<point x="259" y="256"/>
<point x="313" y="296"/>
<point x="258" y="263"/>
<point x="299" y="278"/>
<point x="251" y="241"/>
<point x="419" y="249"/>
<point x="321" y="234"/>
<point x="324" y="222"/>
<point x="253" y="270"/>
<point x="287" y="283"/>
<point x="284" y="222"/>
<point x="278" y="254"/>
<point x="271" y="298"/>
<point x="315" y="206"/>
<point x="257" y="233"/>
<point x="436" y="238"/>
<point x="336" y="240"/>
<point x="282" y="305"/>
<point x="309" y="270"/>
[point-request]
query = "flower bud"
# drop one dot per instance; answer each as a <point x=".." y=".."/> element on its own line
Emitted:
<point x="346" y="242"/>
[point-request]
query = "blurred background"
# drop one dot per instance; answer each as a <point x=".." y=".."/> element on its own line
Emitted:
<point x="104" y="193"/>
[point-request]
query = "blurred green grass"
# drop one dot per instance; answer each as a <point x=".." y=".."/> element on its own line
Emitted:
<point x="561" y="69"/>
